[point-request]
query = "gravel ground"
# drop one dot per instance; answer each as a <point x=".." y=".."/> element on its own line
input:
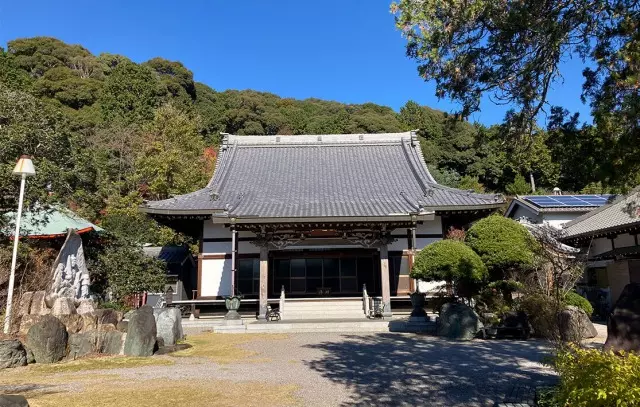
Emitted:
<point x="331" y="369"/>
<point x="376" y="369"/>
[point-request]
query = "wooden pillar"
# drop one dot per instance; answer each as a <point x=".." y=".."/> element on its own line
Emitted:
<point x="234" y="261"/>
<point x="384" y="277"/>
<point x="264" y="282"/>
<point x="413" y="284"/>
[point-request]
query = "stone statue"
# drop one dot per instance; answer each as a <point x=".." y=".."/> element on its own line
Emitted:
<point x="70" y="277"/>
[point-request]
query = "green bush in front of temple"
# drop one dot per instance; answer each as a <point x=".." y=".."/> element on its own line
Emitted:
<point x="575" y="299"/>
<point x="453" y="262"/>
<point x="592" y="378"/>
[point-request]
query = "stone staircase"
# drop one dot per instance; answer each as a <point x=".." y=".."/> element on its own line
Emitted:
<point x="326" y="309"/>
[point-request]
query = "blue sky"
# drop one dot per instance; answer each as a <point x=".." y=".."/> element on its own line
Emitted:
<point x="348" y="51"/>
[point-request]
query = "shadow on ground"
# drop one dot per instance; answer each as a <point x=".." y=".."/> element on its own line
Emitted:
<point x="391" y="369"/>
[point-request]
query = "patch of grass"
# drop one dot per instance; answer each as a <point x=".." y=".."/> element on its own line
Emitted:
<point x="170" y="393"/>
<point x="223" y="348"/>
<point x="110" y="362"/>
<point x="47" y="374"/>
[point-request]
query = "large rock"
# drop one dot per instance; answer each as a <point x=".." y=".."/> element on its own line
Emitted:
<point x="623" y="328"/>
<point x="47" y="339"/>
<point x="141" y="335"/>
<point x="85" y="306"/>
<point x="38" y="306"/>
<point x="574" y="325"/>
<point x="63" y="306"/>
<point x="169" y="326"/>
<point x="12" y="400"/>
<point x="107" y="316"/>
<point x="111" y="342"/>
<point x="12" y="354"/>
<point x="81" y="345"/>
<point x="123" y="326"/>
<point x="74" y="322"/>
<point x="458" y="321"/>
<point x="25" y="303"/>
<point x="27" y="321"/>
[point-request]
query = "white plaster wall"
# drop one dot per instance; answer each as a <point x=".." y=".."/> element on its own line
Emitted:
<point x="214" y="230"/>
<point x="216" y="247"/>
<point x="430" y="226"/>
<point x="422" y="242"/>
<point x="599" y="245"/>
<point x="558" y="219"/>
<point x="247" y="247"/>
<point x="521" y="211"/>
<point x="618" y="274"/>
<point x="625" y="240"/>
<point x="216" y="277"/>
<point x="401" y="243"/>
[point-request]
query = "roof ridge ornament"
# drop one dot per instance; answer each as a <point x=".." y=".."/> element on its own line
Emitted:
<point x="414" y="137"/>
<point x="225" y="141"/>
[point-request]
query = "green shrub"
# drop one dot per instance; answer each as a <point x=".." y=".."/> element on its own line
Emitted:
<point x="592" y="378"/>
<point x="451" y="261"/>
<point x="502" y="243"/>
<point x="575" y="299"/>
<point x="542" y="311"/>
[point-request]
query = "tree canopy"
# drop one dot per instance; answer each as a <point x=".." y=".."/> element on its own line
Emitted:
<point x="512" y="51"/>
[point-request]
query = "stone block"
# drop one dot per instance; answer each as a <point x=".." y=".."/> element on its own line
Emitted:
<point x="142" y="332"/>
<point x="63" y="306"/>
<point x="38" y="306"/>
<point x="27" y="321"/>
<point x="25" y="303"/>
<point x="13" y="400"/>
<point x="169" y="325"/>
<point x="123" y="326"/>
<point x="107" y="316"/>
<point x="74" y="323"/>
<point x="458" y="321"/>
<point x="12" y="354"/>
<point x="575" y="325"/>
<point x="85" y="306"/>
<point x="623" y="327"/>
<point x="47" y="339"/>
<point x="80" y="344"/>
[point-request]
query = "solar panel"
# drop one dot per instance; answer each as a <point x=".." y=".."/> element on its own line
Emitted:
<point x="564" y="201"/>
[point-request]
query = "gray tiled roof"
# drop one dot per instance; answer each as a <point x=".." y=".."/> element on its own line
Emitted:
<point x="619" y="214"/>
<point x="356" y="175"/>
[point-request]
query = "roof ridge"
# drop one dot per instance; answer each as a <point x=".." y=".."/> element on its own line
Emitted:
<point x="317" y="139"/>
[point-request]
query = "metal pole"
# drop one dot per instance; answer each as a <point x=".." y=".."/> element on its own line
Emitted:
<point x="12" y="276"/>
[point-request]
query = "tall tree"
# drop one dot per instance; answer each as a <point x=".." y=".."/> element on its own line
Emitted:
<point x="512" y="51"/>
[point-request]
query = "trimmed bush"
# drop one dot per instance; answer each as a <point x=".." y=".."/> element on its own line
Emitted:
<point x="592" y="378"/>
<point x="451" y="261"/>
<point x="502" y="243"/>
<point x="575" y="299"/>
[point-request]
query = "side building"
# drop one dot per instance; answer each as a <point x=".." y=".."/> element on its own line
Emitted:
<point x="553" y="210"/>
<point x="609" y="235"/>
<point x="317" y="216"/>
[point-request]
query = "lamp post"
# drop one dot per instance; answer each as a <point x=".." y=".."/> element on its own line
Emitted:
<point x="24" y="167"/>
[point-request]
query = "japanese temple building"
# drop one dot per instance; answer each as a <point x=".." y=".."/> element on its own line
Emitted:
<point x="320" y="215"/>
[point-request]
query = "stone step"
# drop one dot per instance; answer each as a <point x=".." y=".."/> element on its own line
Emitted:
<point x="347" y="309"/>
<point x="301" y="327"/>
<point x="322" y="316"/>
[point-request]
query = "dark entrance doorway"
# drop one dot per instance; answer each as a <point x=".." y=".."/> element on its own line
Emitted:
<point x="314" y="273"/>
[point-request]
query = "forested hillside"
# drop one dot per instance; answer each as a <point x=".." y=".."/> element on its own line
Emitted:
<point x="106" y="133"/>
